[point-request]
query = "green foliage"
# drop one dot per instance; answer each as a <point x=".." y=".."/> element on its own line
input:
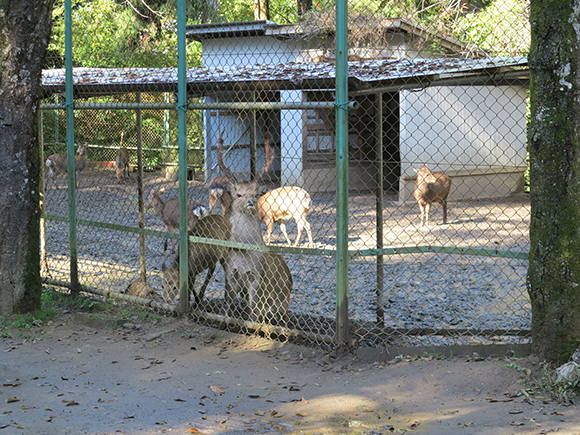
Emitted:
<point x="28" y="324"/>
<point x="562" y="392"/>
<point x="109" y="34"/>
<point x="502" y="28"/>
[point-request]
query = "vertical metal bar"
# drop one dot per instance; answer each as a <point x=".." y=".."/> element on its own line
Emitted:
<point x="342" y="325"/>
<point x="182" y="141"/>
<point x="379" y="209"/>
<point x="70" y="133"/>
<point x="253" y="139"/>
<point x="56" y="122"/>
<point x="166" y="133"/>
<point x="140" y="194"/>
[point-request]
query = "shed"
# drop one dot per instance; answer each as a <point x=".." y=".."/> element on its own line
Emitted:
<point x="464" y="116"/>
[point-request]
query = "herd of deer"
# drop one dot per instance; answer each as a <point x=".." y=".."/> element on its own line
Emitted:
<point x="261" y="280"/>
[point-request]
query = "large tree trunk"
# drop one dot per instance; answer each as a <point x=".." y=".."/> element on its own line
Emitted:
<point x="554" y="144"/>
<point x="24" y="32"/>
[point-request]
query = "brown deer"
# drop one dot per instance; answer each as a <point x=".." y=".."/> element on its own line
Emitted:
<point x="202" y="256"/>
<point x="122" y="164"/>
<point x="284" y="203"/>
<point x="168" y="211"/>
<point x="218" y="188"/>
<point x="431" y="188"/>
<point x="218" y="195"/>
<point x="262" y="278"/>
<point x="57" y="164"/>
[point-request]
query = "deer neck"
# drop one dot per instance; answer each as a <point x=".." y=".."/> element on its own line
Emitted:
<point x="246" y="227"/>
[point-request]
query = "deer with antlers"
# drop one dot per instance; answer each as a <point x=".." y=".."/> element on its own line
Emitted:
<point x="262" y="278"/>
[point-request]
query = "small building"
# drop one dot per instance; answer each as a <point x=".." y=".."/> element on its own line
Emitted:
<point x="464" y="116"/>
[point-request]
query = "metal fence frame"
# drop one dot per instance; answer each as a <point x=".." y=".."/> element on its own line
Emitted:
<point x="342" y="254"/>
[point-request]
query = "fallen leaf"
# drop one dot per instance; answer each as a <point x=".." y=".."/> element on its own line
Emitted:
<point x="12" y="400"/>
<point x="515" y="411"/>
<point x="72" y="403"/>
<point x="192" y="430"/>
<point x="217" y="390"/>
<point x="517" y="423"/>
<point x="180" y="400"/>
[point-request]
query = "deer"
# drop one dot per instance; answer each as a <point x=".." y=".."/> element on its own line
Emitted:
<point x="218" y="195"/>
<point x="284" y="203"/>
<point x="57" y="164"/>
<point x="263" y="279"/>
<point x="168" y="211"/>
<point x="431" y="188"/>
<point x="273" y="206"/>
<point x="202" y="256"/>
<point x="122" y="164"/>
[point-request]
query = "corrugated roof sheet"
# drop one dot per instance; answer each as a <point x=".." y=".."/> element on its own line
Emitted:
<point x="362" y="74"/>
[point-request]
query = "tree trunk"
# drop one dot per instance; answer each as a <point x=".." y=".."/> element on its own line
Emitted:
<point x="24" y="32"/>
<point x="303" y="6"/>
<point x="261" y="10"/>
<point x="554" y="144"/>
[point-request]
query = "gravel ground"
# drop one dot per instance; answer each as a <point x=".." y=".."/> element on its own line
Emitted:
<point x="425" y="290"/>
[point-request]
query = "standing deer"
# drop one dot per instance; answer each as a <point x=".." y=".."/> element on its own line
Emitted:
<point x="58" y="164"/>
<point x="122" y="164"/>
<point x="274" y="206"/>
<point x="431" y="188"/>
<point x="283" y="203"/>
<point x="202" y="256"/>
<point x="262" y="278"/>
<point x="168" y="211"/>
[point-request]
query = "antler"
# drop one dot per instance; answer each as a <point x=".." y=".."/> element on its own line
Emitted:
<point x="220" y="159"/>
<point x="269" y="156"/>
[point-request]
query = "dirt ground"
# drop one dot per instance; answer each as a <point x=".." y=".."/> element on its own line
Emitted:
<point x="174" y="376"/>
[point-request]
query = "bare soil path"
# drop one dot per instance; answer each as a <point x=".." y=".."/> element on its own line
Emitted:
<point x="173" y="376"/>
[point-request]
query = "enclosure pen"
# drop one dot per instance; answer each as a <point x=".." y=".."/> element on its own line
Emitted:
<point x="333" y="133"/>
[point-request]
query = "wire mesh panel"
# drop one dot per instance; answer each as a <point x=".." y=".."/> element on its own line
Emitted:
<point x="438" y="212"/>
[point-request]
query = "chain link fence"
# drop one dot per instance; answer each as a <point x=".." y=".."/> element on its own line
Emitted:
<point x="438" y="210"/>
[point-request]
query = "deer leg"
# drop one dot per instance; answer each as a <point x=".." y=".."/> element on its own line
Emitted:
<point x="253" y="285"/>
<point x="309" y="232"/>
<point x="269" y="229"/>
<point x="199" y="296"/>
<point x="444" y="205"/>
<point x="282" y="224"/>
<point x="427" y="211"/>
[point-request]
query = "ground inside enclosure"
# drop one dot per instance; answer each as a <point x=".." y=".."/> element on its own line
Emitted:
<point x="169" y="375"/>
<point x="421" y="290"/>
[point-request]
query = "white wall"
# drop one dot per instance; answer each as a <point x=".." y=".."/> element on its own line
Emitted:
<point x="247" y="51"/>
<point x="475" y="133"/>
<point x="463" y="127"/>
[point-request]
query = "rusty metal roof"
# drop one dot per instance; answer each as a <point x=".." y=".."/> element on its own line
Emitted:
<point x="365" y="74"/>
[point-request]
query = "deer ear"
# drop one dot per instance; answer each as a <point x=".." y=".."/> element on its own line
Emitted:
<point x="230" y="188"/>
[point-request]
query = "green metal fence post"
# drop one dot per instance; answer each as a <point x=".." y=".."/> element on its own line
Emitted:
<point x="70" y="133"/>
<point x="140" y="193"/>
<point x="342" y="324"/>
<point x="379" y="209"/>
<point x="182" y="141"/>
